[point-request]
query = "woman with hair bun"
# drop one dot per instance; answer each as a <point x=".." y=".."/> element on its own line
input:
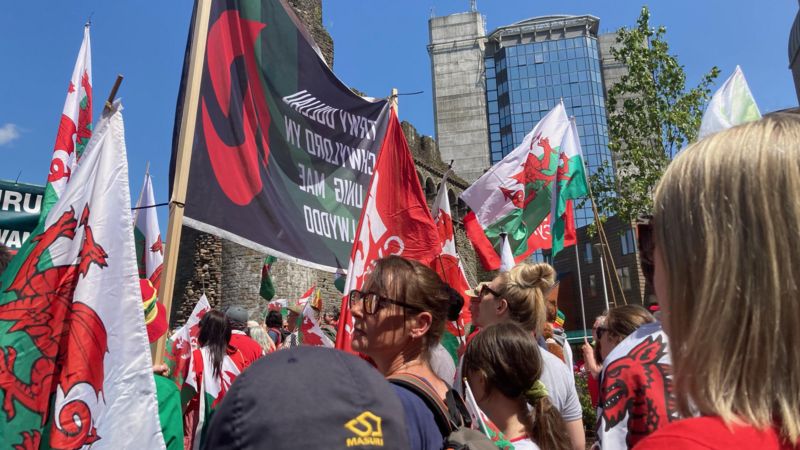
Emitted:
<point x="503" y="365"/>
<point x="519" y="296"/>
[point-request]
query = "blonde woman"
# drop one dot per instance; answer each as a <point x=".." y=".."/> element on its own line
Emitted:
<point x="518" y="296"/>
<point x="726" y="260"/>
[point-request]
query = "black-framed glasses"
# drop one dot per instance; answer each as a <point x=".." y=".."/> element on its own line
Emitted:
<point x="373" y="301"/>
<point x="644" y="238"/>
<point x="485" y="290"/>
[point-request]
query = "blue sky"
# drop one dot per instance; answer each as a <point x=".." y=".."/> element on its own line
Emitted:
<point x="379" y="44"/>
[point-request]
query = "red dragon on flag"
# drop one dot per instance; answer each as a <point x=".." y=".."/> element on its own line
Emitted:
<point x="43" y="308"/>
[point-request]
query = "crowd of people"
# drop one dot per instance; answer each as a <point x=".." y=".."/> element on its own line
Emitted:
<point x="717" y="367"/>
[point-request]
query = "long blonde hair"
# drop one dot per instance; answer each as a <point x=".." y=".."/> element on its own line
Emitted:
<point x="727" y="226"/>
<point x="523" y="289"/>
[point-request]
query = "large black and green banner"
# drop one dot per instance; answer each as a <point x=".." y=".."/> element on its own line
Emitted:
<point x="20" y="205"/>
<point x="283" y="151"/>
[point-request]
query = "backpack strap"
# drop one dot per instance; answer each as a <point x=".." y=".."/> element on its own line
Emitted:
<point x="431" y="399"/>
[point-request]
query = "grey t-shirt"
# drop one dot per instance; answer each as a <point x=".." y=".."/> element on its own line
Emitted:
<point x="560" y="384"/>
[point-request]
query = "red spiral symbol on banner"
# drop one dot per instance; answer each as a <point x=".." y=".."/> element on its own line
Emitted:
<point x="236" y="167"/>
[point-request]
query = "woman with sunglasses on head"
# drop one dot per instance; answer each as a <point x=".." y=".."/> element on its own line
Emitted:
<point x="399" y="317"/>
<point x="726" y="272"/>
<point x="518" y="296"/>
<point x="503" y="365"/>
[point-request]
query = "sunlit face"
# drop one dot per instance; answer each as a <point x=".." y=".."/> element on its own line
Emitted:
<point x="382" y="334"/>
<point x="660" y="287"/>
<point x="484" y="307"/>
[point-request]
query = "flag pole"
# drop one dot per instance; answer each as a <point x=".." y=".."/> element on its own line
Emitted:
<point x="112" y="94"/>
<point x="393" y="100"/>
<point x="580" y="285"/>
<point x="604" y="242"/>
<point x="184" y="155"/>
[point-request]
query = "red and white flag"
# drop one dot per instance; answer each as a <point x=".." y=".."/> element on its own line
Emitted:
<point x="394" y="221"/>
<point x="448" y="266"/>
<point x="147" y="235"/>
<point x="184" y="341"/>
<point x="74" y="128"/>
<point x="307" y="296"/>
<point x="310" y="332"/>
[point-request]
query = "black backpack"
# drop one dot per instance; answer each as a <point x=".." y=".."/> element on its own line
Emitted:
<point x="452" y="417"/>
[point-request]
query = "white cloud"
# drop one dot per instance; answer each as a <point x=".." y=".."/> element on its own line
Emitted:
<point x="8" y="133"/>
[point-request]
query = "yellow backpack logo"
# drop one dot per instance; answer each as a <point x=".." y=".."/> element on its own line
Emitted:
<point x="367" y="430"/>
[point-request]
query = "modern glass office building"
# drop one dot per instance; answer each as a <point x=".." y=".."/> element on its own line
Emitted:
<point x="532" y="65"/>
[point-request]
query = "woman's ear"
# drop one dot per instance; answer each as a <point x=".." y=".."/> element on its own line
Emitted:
<point x="420" y="324"/>
<point x="502" y="306"/>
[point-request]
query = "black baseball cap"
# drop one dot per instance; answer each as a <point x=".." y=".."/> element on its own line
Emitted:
<point x="309" y="397"/>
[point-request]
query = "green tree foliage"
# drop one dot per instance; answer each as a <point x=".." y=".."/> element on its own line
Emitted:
<point x="652" y="116"/>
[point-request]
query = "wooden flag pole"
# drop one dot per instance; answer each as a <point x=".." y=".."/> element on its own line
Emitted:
<point x="184" y="156"/>
<point x="112" y="94"/>
<point x="580" y="285"/>
<point x="395" y="104"/>
<point x="605" y="249"/>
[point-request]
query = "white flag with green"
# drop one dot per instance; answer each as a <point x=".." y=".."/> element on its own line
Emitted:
<point x="74" y="128"/>
<point x="733" y="104"/>
<point x="570" y="185"/>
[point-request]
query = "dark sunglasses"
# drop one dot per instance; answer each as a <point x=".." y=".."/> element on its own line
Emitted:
<point x="372" y="301"/>
<point x="485" y="290"/>
<point x="644" y="238"/>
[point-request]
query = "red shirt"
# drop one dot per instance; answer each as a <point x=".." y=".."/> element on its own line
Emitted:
<point x="711" y="433"/>
<point x="249" y="349"/>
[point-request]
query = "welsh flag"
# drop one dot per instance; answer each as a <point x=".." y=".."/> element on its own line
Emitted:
<point x="267" y="289"/>
<point x="394" y="221"/>
<point x="448" y="266"/>
<point x="516" y="194"/>
<point x="310" y="332"/>
<point x="147" y="234"/>
<point x="211" y="387"/>
<point x="75" y="365"/>
<point x="74" y="129"/>
<point x="279" y="305"/>
<point x="570" y="184"/>
<point x="484" y="424"/>
<point x="183" y="342"/>
<point x="733" y="104"/>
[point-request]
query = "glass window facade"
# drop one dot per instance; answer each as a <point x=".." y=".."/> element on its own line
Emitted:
<point x="525" y="81"/>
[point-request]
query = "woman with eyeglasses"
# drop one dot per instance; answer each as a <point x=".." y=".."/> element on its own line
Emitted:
<point x="725" y="258"/>
<point x="519" y="296"/>
<point x="399" y="317"/>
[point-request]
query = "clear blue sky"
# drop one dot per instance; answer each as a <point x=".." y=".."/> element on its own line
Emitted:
<point x="379" y="44"/>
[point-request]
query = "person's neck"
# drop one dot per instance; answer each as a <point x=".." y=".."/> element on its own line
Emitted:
<point x="408" y="360"/>
<point x="505" y="414"/>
